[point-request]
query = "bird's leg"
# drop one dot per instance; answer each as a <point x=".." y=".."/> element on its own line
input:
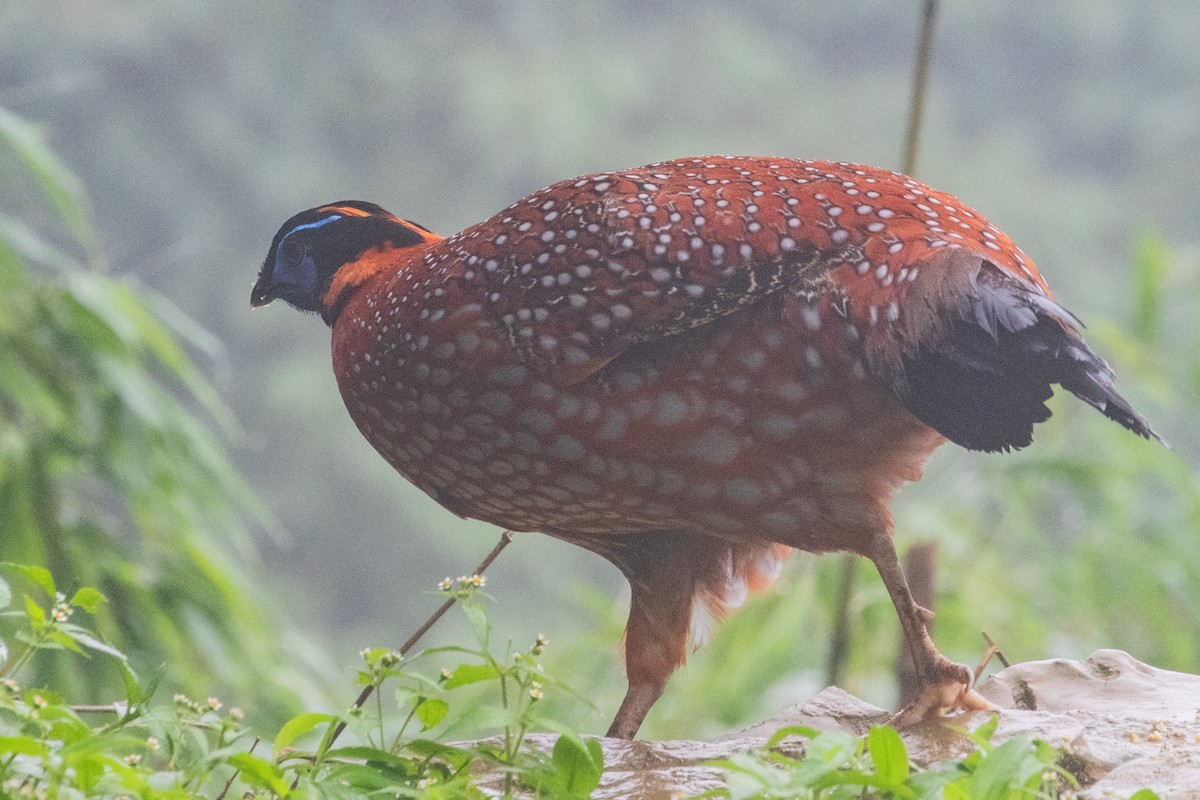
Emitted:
<point x="660" y="568"/>
<point x="655" y="643"/>
<point x="637" y="703"/>
<point x="944" y="684"/>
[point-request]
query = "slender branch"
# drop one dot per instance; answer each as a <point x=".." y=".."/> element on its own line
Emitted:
<point x="839" y="645"/>
<point x="916" y="106"/>
<point x="106" y="708"/>
<point x="992" y="651"/>
<point x="839" y="648"/>
<point x="992" y="645"/>
<point x="839" y="652"/>
<point x="237" y="772"/>
<point x="365" y="695"/>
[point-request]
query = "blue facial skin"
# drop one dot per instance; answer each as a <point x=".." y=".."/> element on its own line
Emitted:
<point x="294" y="272"/>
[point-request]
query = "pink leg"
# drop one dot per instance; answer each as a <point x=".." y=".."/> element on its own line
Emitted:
<point x="945" y="684"/>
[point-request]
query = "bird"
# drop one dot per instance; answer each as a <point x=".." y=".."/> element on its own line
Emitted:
<point x="692" y="368"/>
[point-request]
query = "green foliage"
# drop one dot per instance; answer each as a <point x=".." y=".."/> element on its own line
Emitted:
<point x="840" y="765"/>
<point x="110" y="472"/>
<point x="186" y="748"/>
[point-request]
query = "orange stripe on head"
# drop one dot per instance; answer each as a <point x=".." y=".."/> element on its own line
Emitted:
<point x="429" y="236"/>
<point x="346" y="211"/>
<point x="424" y="234"/>
<point x="350" y="211"/>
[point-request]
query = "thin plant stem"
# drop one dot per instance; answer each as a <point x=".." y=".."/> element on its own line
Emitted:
<point x="920" y="85"/>
<point x="106" y="708"/>
<point x="368" y="690"/>
<point x="840" y="638"/>
<point x="840" y="650"/>
<point x="236" y="772"/>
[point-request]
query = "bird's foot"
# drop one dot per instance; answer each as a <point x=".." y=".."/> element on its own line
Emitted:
<point x="948" y="688"/>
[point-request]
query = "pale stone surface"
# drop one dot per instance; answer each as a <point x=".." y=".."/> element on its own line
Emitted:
<point x="1126" y="726"/>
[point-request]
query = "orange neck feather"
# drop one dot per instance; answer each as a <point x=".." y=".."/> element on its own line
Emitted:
<point x="371" y="263"/>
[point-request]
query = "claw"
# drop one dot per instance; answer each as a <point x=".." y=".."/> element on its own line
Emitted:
<point x="952" y="693"/>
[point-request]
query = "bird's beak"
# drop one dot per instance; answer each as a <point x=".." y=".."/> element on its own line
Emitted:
<point x="260" y="295"/>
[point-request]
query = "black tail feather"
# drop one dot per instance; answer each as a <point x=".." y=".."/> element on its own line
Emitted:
<point x="983" y="381"/>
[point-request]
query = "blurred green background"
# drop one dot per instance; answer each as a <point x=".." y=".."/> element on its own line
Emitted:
<point x="198" y="128"/>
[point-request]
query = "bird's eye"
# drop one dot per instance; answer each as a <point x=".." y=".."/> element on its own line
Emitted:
<point x="291" y="253"/>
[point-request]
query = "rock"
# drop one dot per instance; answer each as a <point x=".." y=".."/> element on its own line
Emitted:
<point x="1129" y="725"/>
<point x="1125" y="726"/>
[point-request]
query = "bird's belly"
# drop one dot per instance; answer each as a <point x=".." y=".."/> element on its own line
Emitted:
<point x="752" y="428"/>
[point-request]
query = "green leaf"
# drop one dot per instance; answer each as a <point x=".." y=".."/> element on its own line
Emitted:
<point x="931" y="782"/>
<point x="26" y="244"/>
<point x="890" y="756"/>
<point x="92" y="643"/>
<point x="577" y="765"/>
<point x="470" y="673"/>
<point x="296" y="727"/>
<point x="1144" y="794"/>
<point x="37" y="617"/>
<point x="429" y="749"/>
<point x="59" y="184"/>
<point x="38" y="576"/>
<point x="362" y="780"/>
<point x="852" y="777"/>
<point x="22" y="745"/>
<point x="431" y="711"/>
<point x="982" y="735"/>
<point x="133" y="690"/>
<point x="835" y="748"/>
<point x="999" y="769"/>
<point x="89" y="770"/>
<point x="89" y="599"/>
<point x="957" y="791"/>
<point x="477" y="616"/>
<point x="376" y="757"/>
<point x="788" y="732"/>
<point x="260" y="772"/>
<point x="62" y="638"/>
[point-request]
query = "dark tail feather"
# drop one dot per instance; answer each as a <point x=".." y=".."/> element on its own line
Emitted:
<point x="1094" y="387"/>
<point x="984" y="379"/>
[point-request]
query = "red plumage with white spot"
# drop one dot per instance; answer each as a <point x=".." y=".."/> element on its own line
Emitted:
<point x="691" y="367"/>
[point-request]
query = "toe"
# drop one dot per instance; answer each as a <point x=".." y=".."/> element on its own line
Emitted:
<point x="951" y="691"/>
